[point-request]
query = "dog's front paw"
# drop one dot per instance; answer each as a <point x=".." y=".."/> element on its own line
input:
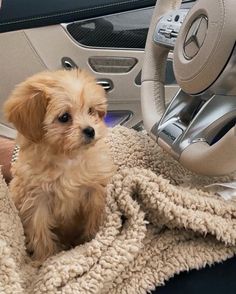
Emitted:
<point x="40" y="249"/>
<point x="41" y="252"/>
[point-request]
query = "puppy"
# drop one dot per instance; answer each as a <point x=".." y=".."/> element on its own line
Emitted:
<point x="63" y="167"/>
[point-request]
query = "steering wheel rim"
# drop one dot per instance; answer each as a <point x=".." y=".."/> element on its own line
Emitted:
<point x="198" y="155"/>
<point x="153" y="71"/>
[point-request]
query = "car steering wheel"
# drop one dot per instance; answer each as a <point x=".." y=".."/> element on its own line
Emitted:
<point x="198" y="126"/>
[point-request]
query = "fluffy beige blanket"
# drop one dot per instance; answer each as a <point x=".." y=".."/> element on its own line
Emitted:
<point x="160" y="221"/>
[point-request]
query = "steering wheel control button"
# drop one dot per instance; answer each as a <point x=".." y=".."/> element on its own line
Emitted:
<point x="177" y="18"/>
<point x="195" y="37"/>
<point x="168" y="28"/>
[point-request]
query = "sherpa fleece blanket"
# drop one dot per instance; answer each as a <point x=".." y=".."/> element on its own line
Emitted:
<point x="159" y="221"/>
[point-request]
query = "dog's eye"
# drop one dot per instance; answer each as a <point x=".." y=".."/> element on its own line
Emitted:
<point x="64" y="118"/>
<point x="91" y="111"/>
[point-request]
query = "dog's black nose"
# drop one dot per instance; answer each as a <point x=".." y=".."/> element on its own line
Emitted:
<point x="89" y="132"/>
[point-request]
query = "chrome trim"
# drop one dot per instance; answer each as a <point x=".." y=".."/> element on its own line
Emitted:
<point x="106" y="84"/>
<point x="210" y="118"/>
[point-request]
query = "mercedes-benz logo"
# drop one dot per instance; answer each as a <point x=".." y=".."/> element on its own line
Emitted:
<point x="195" y="37"/>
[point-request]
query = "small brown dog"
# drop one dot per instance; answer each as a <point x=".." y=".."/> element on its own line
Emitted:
<point x="63" y="167"/>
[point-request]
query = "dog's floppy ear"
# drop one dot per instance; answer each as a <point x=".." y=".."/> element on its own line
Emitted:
<point x="26" y="107"/>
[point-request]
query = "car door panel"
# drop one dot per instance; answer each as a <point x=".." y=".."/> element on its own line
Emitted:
<point x="45" y="47"/>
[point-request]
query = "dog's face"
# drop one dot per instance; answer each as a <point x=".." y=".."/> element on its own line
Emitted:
<point x="63" y="109"/>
